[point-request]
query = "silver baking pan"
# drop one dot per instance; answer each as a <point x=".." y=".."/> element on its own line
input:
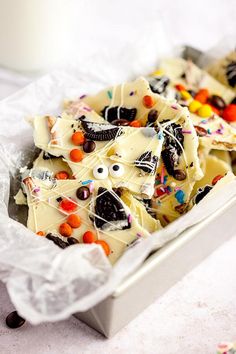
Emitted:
<point x="160" y="271"/>
<point x="163" y="268"/>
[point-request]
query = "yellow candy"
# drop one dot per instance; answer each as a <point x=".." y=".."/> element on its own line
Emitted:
<point x="185" y="95"/>
<point x="205" y="111"/>
<point x="194" y="106"/>
<point x="158" y="72"/>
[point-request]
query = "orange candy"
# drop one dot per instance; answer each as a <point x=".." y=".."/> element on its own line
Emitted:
<point x="135" y="124"/>
<point x="229" y="113"/>
<point x="68" y="205"/>
<point x="89" y="237"/>
<point x="180" y="87"/>
<point x="74" y="221"/>
<point x="65" y="229"/>
<point x="40" y="233"/>
<point x="104" y="245"/>
<point x="202" y="96"/>
<point x="62" y="175"/>
<point x="76" y="155"/>
<point x="78" y="138"/>
<point x="148" y="101"/>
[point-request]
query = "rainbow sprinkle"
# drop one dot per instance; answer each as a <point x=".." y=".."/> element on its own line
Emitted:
<point x="87" y="182"/>
<point x="81" y="97"/>
<point x="162" y="174"/>
<point x="186" y="131"/>
<point x="109" y="94"/>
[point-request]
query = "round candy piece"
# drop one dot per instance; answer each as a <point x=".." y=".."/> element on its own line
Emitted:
<point x="216" y="179"/>
<point x="62" y="175"/>
<point x="148" y="101"/>
<point x="185" y="95"/>
<point x="194" y="106"/>
<point x="135" y="124"/>
<point x="40" y="233"/>
<point x="205" y="111"/>
<point x="78" y="138"/>
<point x="100" y="172"/>
<point x="68" y="205"/>
<point x="83" y="193"/>
<point x="180" y="175"/>
<point x="76" y="155"/>
<point x="217" y="102"/>
<point x="116" y="170"/>
<point x="152" y="116"/>
<point x="229" y="113"/>
<point x="14" y="320"/>
<point x="104" y="245"/>
<point x="89" y="237"/>
<point x="89" y="146"/>
<point x="180" y="87"/>
<point x="72" y="241"/>
<point x="65" y="229"/>
<point x="120" y="122"/>
<point x="74" y="221"/>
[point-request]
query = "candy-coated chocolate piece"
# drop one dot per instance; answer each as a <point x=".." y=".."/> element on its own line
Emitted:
<point x="216" y="179"/>
<point x="89" y="237"/>
<point x="205" y="111"/>
<point x="89" y="146"/>
<point x="194" y="106"/>
<point x="148" y="101"/>
<point x="68" y="205"/>
<point x="229" y="113"/>
<point x="62" y="175"/>
<point x="76" y="155"/>
<point x="65" y="229"/>
<point x="74" y="221"/>
<point x="104" y="245"/>
<point x="78" y="138"/>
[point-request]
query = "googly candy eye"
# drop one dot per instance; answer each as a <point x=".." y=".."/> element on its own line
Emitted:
<point x="116" y="170"/>
<point x="100" y="172"/>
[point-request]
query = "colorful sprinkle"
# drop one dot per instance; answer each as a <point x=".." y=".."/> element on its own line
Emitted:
<point x="138" y="234"/>
<point x="186" y="131"/>
<point x="87" y="182"/>
<point x="209" y="131"/>
<point x="131" y="93"/>
<point x="204" y="121"/>
<point x="129" y="218"/>
<point x="81" y="97"/>
<point x="160" y="135"/>
<point x="91" y="187"/>
<point x="109" y="94"/>
<point x="180" y="196"/>
<point x="162" y="174"/>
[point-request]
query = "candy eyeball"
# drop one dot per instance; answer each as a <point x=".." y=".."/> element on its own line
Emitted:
<point x="116" y="170"/>
<point x="100" y="172"/>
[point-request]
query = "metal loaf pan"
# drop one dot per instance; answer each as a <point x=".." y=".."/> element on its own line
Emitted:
<point x="163" y="268"/>
<point x="161" y="271"/>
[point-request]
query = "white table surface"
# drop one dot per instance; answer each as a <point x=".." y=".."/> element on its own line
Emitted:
<point x="200" y="310"/>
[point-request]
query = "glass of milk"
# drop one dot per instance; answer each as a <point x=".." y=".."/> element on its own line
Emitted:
<point x="35" y="35"/>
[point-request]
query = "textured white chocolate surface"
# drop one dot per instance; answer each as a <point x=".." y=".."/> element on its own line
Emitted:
<point x="121" y="149"/>
<point x="46" y="213"/>
<point x="218" y="133"/>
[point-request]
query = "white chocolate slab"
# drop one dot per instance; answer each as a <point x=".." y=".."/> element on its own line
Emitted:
<point x="45" y="214"/>
<point x="122" y="150"/>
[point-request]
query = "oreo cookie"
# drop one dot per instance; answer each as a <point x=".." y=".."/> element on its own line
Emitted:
<point x="110" y="212"/>
<point x="231" y="73"/>
<point x="147" y="162"/>
<point x="114" y="113"/>
<point x="47" y="156"/>
<point x="170" y="159"/>
<point x="158" y="84"/>
<point x="201" y="193"/>
<point x="100" y="132"/>
<point x="173" y="136"/>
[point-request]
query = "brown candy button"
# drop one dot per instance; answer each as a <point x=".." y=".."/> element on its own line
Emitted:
<point x="72" y="240"/>
<point x="83" y="193"/>
<point x="217" y="102"/>
<point x="120" y="122"/>
<point x="200" y="130"/>
<point x="152" y="115"/>
<point x="89" y="146"/>
<point x="180" y="175"/>
<point x="13" y="320"/>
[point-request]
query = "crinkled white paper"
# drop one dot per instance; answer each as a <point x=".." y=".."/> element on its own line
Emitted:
<point x="47" y="283"/>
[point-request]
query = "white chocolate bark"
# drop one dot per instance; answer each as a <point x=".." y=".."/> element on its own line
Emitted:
<point x="56" y="139"/>
<point x="218" y="70"/>
<point x="212" y="167"/>
<point x="218" y="133"/>
<point x="45" y="213"/>
<point x="54" y="165"/>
